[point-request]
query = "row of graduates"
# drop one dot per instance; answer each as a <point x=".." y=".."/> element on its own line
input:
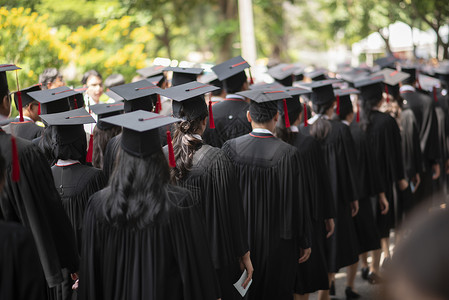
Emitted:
<point x="272" y="175"/>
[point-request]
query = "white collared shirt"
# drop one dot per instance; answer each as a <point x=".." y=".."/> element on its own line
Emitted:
<point x="294" y="128"/>
<point x="66" y="162"/>
<point x="197" y="136"/>
<point x="407" y="88"/>
<point x="346" y="122"/>
<point x="262" y="130"/>
<point x="234" y="96"/>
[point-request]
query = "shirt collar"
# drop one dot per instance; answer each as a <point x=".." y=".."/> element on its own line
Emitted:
<point x="66" y="162"/>
<point x="197" y="136"/>
<point x="262" y="130"/>
<point x="234" y="96"/>
<point x="345" y="122"/>
<point x="294" y="128"/>
<point x="407" y="88"/>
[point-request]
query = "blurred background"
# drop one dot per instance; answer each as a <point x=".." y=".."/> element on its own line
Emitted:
<point x="122" y="36"/>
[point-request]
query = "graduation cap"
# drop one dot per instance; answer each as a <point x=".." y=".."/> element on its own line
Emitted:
<point x="58" y="100"/>
<point x="371" y="88"/>
<point x="317" y="75"/>
<point x="354" y="75"/>
<point x="140" y="135"/>
<point x="411" y="70"/>
<point x="114" y="96"/>
<point x="392" y="78"/>
<point x="151" y="71"/>
<point x="428" y="83"/>
<point x="4" y="85"/>
<point x="293" y="106"/>
<point x="344" y="103"/>
<point x="189" y="100"/>
<point x="284" y="73"/>
<point x="184" y="75"/>
<point x="232" y="72"/>
<point x="264" y="85"/>
<point x="156" y="80"/>
<point x="26" y="99"/>
<point x="322" y="91"/>
<point x="443" y="74"/>
<point x="104" y="110"/>
<point x="139" y="95"/>
<point x="386" y="62"/>
<point x="263" y="104"/>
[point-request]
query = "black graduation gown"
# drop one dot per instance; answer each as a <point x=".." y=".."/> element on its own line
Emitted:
<point x="440" y="184"/>
<point x="34" y="202"/>
<point x="339" y="150"/>
<point x="212" y="181"/>
<point x="27" y="130"/>
<point x="368" y="184"/>
<point x="76" y="183"/>
<point x="277" y="214"/>
<point x="423" y="108"/>
<point x="312" y="275"/>
<point x="110" y="155"/>
<point x="167" y="260"/>
<point x="230" y="122"/>
<point x="21" y="275"/>
<point x="385" y="139"/>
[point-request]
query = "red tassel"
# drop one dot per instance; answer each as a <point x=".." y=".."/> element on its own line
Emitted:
<point x="39" y="109"/>
<point x="358" y="113"/>
<point x="15" y="160"/>
<point x="90" y="150"/>
<point x="286" y="118"/>
<point x="211" y="116"/>
<point x="338" y="104"/>
<point x="251" y="80"/>
<point x="158" y="107"/>
<point x="435" y="94"/>
<point x="306" y="122"/>
<point x="76" y="102"/>
<point x="171" y="153"/>
<point x="388" y="95"/>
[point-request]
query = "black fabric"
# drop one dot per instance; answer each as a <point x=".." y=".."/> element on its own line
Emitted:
<point x="277" y="214"/>
<point x="27" y="130"/>
<point x="192" y="108"/>
<point x="165" y="260"/>
<point x="21" y="275"/>
<point x="140" y="144"/>
<point x="76" y="183"/>
<point x="235" y="82"/>
<point x="411" y="148"/>
<point x="339" y="149"/>
<point x="35" y="203"/>
<point x="146" y="103"/>
<point x="230" y="122"/>
<point x="263" y="112"/>
<point x="110" y="155"/>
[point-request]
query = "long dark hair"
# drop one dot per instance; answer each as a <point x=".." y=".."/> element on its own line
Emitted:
<point x="283" y="132"/>
<point x="101" y="139"/>
<point x="320" y="129"/>
<point x="367" y="108"/>
<point x="138" y="190"/>
<point x="185" y="145"/>
<point x="46" y="145"/>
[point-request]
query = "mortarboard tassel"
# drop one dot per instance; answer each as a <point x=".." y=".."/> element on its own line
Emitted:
<point x="171" y="153"/>
<point x="386" y="91"/>
<point x="251" y="80"/>
<point x="358" y="113"/>
<point x="338" y="104"/>
<point x="15" y="173"/>
<point x="76" y="103"/>
<point x="39" y="109"/>
<point x="19" y="100"/>
<point x="435" y="94"/>
<point x="211" y="116"/>
<point x="286" y="118"/>
<point x="90" y="150"/>
<point x="306" y="122"/>
<point x="158" y="107"/>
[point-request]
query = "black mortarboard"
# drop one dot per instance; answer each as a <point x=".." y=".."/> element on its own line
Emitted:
<point x="26" y="99"/>
<point x="141" y="136"/>
<point x="284" y="73"/>
<point x="156" y="80"/>
<point x="264" y="85"/>
<point x="151" y="71"/>
<point x="71" y="117"/>
<point x="114" y="96"/>
<point x="188" y="99"/>
<point x="263" y="106"/>
<point x="443" y="74"/>
<point x="411" y="70"/>
<point x="386" y="62"/>
<point x="392" y="78"/>
<point x="344" y="103"/>
<point x="232" y="72"/>
<point x="139" y="95"/>
<point x="58" y="100"/>
<point x="104" y="110"/>
<point x="317" y="75"/>
<point x="371" y="88"/>
<point x="8" y="67"/>
<point x="354" y="75"/>
<point x="322" y="91"/>
<point x="183" y="75"/>
<point x="428" y="83"/>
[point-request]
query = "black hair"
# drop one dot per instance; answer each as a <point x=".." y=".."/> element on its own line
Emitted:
<point x="48" y="76"/>
<point x="4" y="90"/>
<point x="320" y="129"/>
<point x="113" y="80"/>
<point x="46" y="145"/>
<point x="101" y="138"/>
<point x="409" y="81"/>
<point x="138" y="190"/>
<point x="368" y="104"/>
<point x="69" y="142"/>
<point x="185" y="144"/>
<point x="88" y="74"/>
<point x="262" y="112"/>
<point x="283" y="132"/>
<point x="234" y="84"/>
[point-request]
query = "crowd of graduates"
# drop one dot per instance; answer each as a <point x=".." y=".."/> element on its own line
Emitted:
<point x="191" y="185"/>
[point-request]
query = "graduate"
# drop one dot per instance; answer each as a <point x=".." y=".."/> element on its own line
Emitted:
<point x="74" y="180"/>
<point x="104" y="132"/>
<point x="28" y="129"/>
<point x="284" y="74"/>
<point x="30" y="198"/>
<point x="230" y="114"/>
<point x="271" y="184"/>
<point x="384" y="137"/>
<point x="139" y="95"/>
<point x="183" y="75"/>
<point x="210" y="176"/>
<point x="339" y="150"/>
<point x="144" y="238"/>
<point x="311" y="275"/>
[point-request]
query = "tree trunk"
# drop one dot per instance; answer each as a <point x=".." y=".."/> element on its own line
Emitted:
<point x="386" y="38"/>
<point x="228" y="11"/>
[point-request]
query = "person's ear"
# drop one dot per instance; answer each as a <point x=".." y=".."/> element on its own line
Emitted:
<point x="248" y="116"/>
<point x="276" y="117"/>
<point x="203" y="123"/>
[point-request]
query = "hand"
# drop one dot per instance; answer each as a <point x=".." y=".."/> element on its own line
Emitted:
<point x="403" y="184"/>
<point x="305" y="254"/>
<point x="384" y="205"/>
<point x="416" y="181"/>
<point x="330" y="227"/>
<point x="245" y="263"/>
<point x="436" y="171"/>
<point x="75" y="277"/>
<point x="354" y="208"/>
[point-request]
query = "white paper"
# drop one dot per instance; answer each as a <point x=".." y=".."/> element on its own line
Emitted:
<point x="238" y="284"/>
